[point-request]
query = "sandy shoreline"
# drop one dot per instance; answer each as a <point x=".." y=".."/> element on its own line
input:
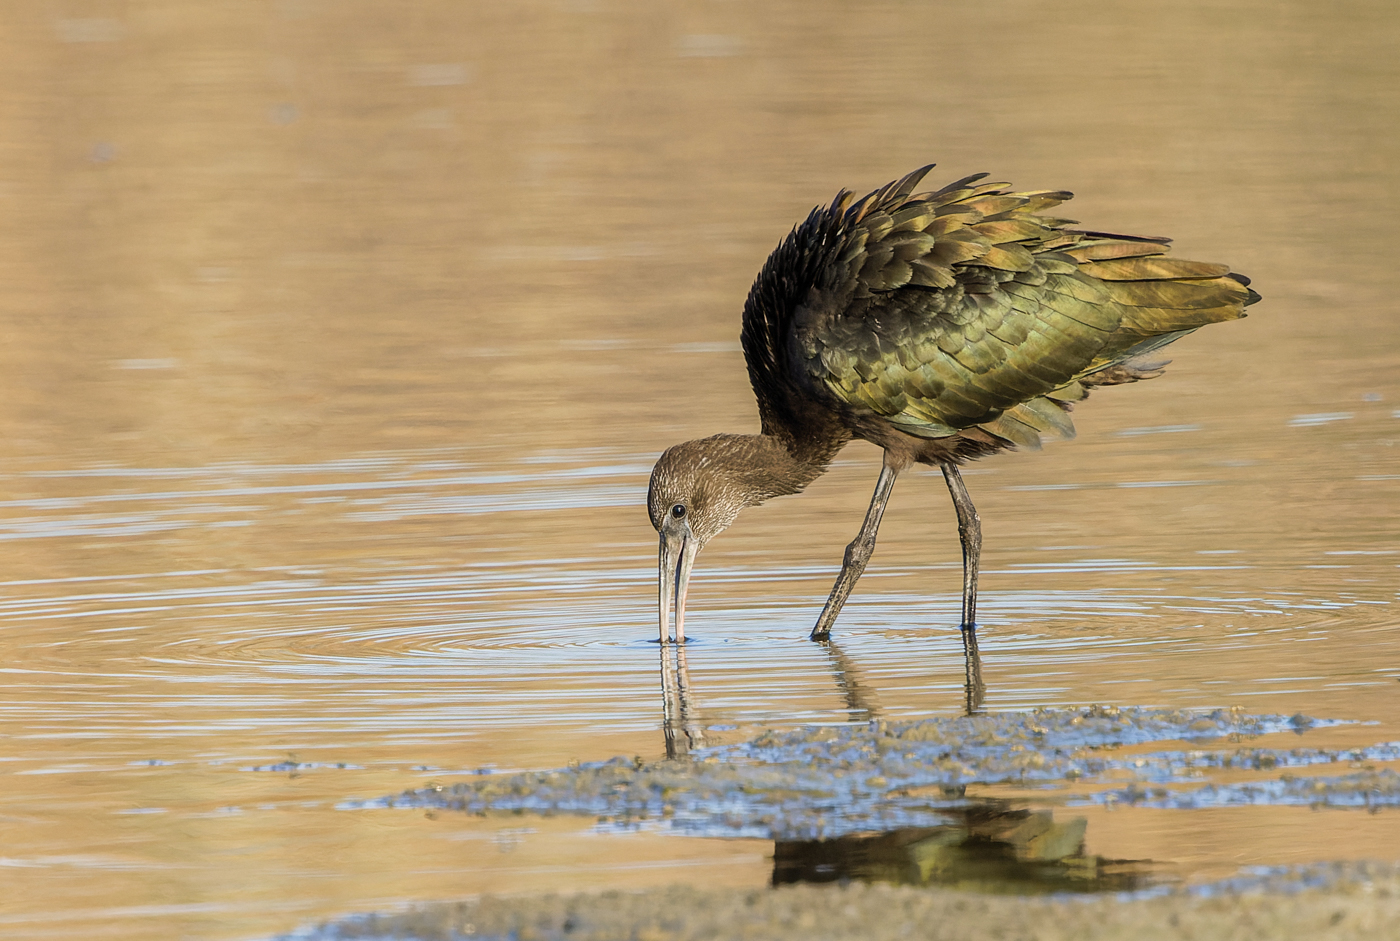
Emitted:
<point x="1360" y="901"/>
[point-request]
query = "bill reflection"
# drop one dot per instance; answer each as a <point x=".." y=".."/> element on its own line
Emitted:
<point x="679" y="721"/>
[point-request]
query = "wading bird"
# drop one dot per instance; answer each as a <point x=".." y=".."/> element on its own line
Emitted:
<point x="942" y="326"/>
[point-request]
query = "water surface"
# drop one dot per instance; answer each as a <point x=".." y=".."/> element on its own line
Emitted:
<point x="339" y="342"/>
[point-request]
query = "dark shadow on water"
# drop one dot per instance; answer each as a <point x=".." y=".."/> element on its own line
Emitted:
<point x="989" y="848"/>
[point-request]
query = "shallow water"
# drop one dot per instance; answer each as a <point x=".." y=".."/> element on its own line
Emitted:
<point x="339" y="343"/>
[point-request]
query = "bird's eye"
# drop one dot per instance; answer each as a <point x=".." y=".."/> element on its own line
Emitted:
<point x="678" y="511"/>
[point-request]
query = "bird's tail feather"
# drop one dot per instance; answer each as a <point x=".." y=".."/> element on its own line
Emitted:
<point x="1027" y="425"/>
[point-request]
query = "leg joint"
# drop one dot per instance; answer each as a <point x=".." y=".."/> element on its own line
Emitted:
<point x="858" y="554"/>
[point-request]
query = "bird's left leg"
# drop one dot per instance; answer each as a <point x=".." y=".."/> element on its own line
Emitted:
<point x="970" y="532"/>
<point x="858" y="552"/>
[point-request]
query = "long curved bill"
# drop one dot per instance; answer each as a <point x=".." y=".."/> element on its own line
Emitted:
<point x="674" y="561"/>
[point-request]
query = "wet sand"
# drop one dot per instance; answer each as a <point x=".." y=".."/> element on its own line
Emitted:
<point x="1361" y="903"/>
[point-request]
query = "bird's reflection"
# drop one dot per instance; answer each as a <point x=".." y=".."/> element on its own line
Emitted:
<point x="990" y="847"/>
<point x="860" y="699"/>
<point x="987" y="848"/>
<point x="684" y="731"/>
<point x="679" y="722"/>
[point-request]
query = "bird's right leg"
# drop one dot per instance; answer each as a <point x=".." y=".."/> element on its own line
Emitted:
<point x="970" y="532"/>
<point x="976" y="689"/>
<point x="858" y="552"/>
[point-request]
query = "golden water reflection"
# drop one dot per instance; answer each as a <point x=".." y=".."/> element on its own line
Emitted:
<point x="339" y="338"/>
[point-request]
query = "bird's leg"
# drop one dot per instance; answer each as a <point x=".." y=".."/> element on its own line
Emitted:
<point x="976" y="689"/>
<point x="858" y="552"/>
<point x="970" y="532"/>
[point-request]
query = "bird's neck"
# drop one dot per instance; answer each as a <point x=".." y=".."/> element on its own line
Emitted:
<point x="769" y="466"/>
<point x="809" y="441"/>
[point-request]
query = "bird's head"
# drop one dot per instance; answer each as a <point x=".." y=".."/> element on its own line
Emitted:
<point x="697" y="490"/>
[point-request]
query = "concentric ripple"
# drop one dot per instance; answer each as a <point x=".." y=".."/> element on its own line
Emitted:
<point x="430" y="613"/>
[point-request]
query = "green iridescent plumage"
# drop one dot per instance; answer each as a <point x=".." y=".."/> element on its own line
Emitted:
<point x="966" y="308"/>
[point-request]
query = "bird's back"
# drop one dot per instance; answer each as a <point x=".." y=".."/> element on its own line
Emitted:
<point x="961" y="321"/>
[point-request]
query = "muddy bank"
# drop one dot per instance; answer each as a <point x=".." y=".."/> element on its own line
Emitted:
<point x="825" y="782"/>
<point x="1325" y="902"/>
<point x="881" y="831"/>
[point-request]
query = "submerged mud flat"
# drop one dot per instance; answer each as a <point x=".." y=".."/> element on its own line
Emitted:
<point x="825" y="782"/>
<point x="1324" y="902"/>
<point x="938" y="828"/>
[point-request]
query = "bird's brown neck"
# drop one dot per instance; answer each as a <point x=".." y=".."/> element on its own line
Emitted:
<point x="810" y="446"/>
<point x="775" y="471"/>
<point x="771" y="465"/>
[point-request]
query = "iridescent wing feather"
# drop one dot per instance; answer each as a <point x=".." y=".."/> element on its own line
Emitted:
<point x="967" y="307"/>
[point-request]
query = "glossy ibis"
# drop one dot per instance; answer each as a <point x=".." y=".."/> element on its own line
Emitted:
<point x="943" y="326"/>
